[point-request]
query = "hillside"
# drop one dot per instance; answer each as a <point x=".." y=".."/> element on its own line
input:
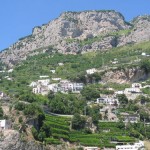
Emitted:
<point x="81" y="80"/>
<point x="79" y="32"/>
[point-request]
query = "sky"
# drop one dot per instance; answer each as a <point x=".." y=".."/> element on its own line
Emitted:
<point x="19" y="17"/>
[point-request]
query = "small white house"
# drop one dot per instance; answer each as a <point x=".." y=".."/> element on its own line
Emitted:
<point x="132" y="91"/>
<point x="10" y="70"/>
<point x="5" y="124"/>
<point x="107" y="100"/>
<point x="135" y="146"/>
<point x="44" y="76"/>
<point x="119" y="92"/>
<point x="143" y="54"/>
<point x="53" y="71"/>
<point x="91" y="71"/>
<point x="91" y="148"/>
<point x="56" y="79"/>
<point x="136" y="85"/>
<point x="60" y="64"/>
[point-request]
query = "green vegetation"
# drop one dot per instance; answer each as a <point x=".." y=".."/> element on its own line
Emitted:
<point x="66" y="104"/>
<point x="53" y="128"/>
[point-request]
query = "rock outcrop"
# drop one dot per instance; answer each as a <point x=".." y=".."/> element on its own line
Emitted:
<point x="13" y="140"/>
<point x="77" y="32"/>
<point x="125" y="75"/>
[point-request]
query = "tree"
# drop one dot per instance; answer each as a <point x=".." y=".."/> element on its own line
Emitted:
<point x="1" y="113"/>
<point x="90" y="93"/>
<point x="122" y="99"/>
<point x="46" y="128"/>
<point x="78" y="122"/>
<point x="145" y="64"/>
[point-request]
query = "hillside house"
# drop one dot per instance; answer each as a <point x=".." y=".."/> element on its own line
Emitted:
<point x="132" y="91"/>
<point x="137" y="85"/>
<point x="44" y="76"/>
<point x="40" y="89"/>
<point x="53" y="71"/>
<point x="135" y="146"/>
<point x="5" y="124"/>
<point x="107" y="100"/>
<point x="65" y="86"/>
<point x="60" y="64"/>
<point x="132" y="118"/>
<point x="56" y="79"/>
<point x="91" y="148"/>
<point x="91" y="71"/>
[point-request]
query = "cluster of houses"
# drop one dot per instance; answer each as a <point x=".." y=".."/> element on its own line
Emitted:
<point x="110" y="104"/>
<point x="43" y="86"/>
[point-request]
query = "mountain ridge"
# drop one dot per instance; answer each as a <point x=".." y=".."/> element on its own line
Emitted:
<point x="79" y="32"/>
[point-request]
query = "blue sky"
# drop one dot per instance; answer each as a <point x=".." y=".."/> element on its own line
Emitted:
<point x="18" y="17"/>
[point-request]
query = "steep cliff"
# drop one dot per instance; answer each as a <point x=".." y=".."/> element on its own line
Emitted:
<point x="78" y="32"/>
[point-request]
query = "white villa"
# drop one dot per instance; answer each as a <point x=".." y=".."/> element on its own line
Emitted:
<point x="107" y="100"/>
<point x="5" y="124"/>
<point x="91" y="71"/>
<point x="135" y="146"/>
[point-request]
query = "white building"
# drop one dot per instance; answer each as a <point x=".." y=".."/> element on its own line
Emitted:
<point x="44" y="82"/>
<point x="60" y="64"/>
<point x="119" y="92"/>
<point x="135" y="146"/>
<point x="132" y="91"/>
<point x="5" y="124"/>
<point x="10" y="70"/>
<point x="44" y="76"/>
<point x="69" y="86"/>
<point x="56" y="79"/>
<point x="52" y="71"/>
<point x="136" y="85"/>
<point x="91" y="71"/>
<point x="91" y="148"/>
<point x="107" y="100"/>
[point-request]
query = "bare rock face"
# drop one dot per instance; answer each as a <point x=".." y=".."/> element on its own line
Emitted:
<point x="125" y="75"/>
<point x="78" y="27"/>
<point x="139" y="33"/>
<point x="11" y="140"/>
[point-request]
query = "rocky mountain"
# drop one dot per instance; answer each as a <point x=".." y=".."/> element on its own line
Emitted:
<point x="79" y="32"/>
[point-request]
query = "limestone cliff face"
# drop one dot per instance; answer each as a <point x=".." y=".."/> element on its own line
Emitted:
<point x="70" y="33"/>
<point x="12" y="140"/>
<point x="125" y="75"/>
